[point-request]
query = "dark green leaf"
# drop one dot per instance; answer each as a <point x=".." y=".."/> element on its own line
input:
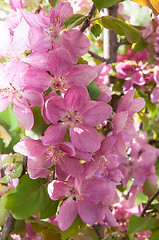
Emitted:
<point x="75" y="228"/>
<point x="93" y="90"/>
<point x="139" y="46"/>
<point x="46" y="230"/>
<point x="96" y="30"/>
<point x="54" y="3"/>
<point x="30" y="197"/>
<point x="149" y="189"/>
<point x="105" y="3"/>
<point x="155" y="234"/>
<point x="74" y="20"/>
<point x="131" y="33"/>
<point x="141" y="224"/>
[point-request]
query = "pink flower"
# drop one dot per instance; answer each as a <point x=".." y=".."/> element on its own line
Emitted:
<point x="48" y="31"/>
<point x="16" y="4"/>
<point x="65" y="73"/>
<point x="77" y="113"/>
<point x="83" y="198"/>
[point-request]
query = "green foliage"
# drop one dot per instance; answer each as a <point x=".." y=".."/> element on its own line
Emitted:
<point x="75" y="228"/>
<point x="54" y="3"/>
<point x="93" y="90"/>
<point x="74" y="20"/>
<point x="45" y="230"/>
<point x="39" y="125"/>
<point x="3" y="210"/>
<point x="30" y="193"/>
<point x="96" y="30"/>
<point x="139" y="46"/>
<point x="155" y="234"/>
<point x="131" y="33"/>
<point x="140" y="224"/>
<point x="149" y="189"/>
<point x="105" y="3"/>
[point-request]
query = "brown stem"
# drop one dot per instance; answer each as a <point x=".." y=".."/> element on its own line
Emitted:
<point x="113" y="45"/>
<point x="99" y="230"/>
<point x="149" y="203"/>
<point x="87" y="21"/>
<point x="7" y="226"/>
<point x="94" y="55"/>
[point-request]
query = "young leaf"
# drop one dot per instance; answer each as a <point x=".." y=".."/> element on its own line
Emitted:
<point x="105" y="3"/>
<point x="54" y="3"/>
<point x="141" y="224"/>
<point x="30" y="197"/>
<point x="74" y="20"/>
<point x="131" y="33"/>
<point x="93" y="90"/>
<point x="155" y="234"/>
<point x="96" y="30"/>
<point x="149" y="189"/>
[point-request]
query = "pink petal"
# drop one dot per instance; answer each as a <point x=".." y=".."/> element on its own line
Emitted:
<point x="37" y="60"/>
<point x="136" y="105"/>
<point x="59" y="62"/>
<point x="64" y="10"/>
<point x="119" y="121"/>
<point x="24" y="113"/>
<point x="76" y="97"/>
<point x="4" y="100"/>
<point x="68" y="148"/>
<point x="55" y="108"/>
<point x="30" y="147"/>
<point x="57" y="189"/>
<point x="107" y="144"/>
<point x="35" y="169"/>
<point x="85" y="138"/>
<point x="75" y="42"/>
<point x="155" y="95"/>
<point x="82" y="74"/>
<point x="36" y="36"/>
<point x="67" y="214"/>
<point x="94" y="113"/>
<point x="34" y="98"/>
<point x="125" y="101"/>
<point x="71" y="166"/>
<point x="54" y="134"/>
<point x="37" y="79"/>
<point x="87" y="211"/>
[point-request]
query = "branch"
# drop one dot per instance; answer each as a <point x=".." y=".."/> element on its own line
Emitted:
<point x="94" y="55"/>
<point x="87" y="21"/>
<point x="149" y="203"/>
<point x="7" y="227"/>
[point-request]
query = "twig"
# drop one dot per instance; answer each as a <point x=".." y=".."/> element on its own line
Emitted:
<point x="149" y="203"/>
<point x="7" y="227"/>
<point x="94" y="55"/>
<point x="87" y="21"/>
<point x="99" y="229"/>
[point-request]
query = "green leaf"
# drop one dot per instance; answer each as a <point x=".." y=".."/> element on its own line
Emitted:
<point x="74" y="20"/>
<point x="96" y="30"/>
<point x="3" y="210"/>
<point x="30" y="197"/>
<point x="93" y="90"/>
<point x="140" y="224"/>
<point x="18" y="227"/>
<point x="131" y="33"/>
<point x="149" y="189"/>
<point x="46" y="230"/>
<point x="155" y="234"/>
<point x="54" y="3"/>
<point x="75" y="228"/>
<point x="39" y="125"/>
<point x="17" y="172"/>
<point x="105" y="3"/>
<point x="10" y="118"/>
<point x="50" y="209"/>
<point x="5" y="179"/>
<point x="139" y="46"/>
